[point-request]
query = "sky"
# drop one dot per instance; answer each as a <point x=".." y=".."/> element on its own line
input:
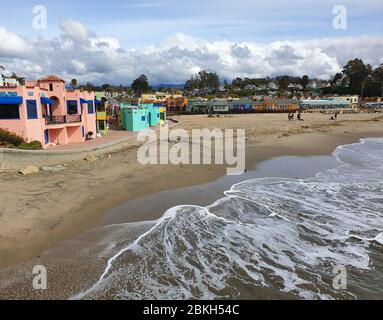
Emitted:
<point x="115" y="41"/>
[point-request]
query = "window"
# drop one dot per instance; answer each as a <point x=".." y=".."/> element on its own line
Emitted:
<point x="90" y="107"/>
<point x="51" y="87"/>
<point x="32" y="109"/>
<point x="30" y="94"/>
<point x="72" y="107"/>
<point x="9" y="111"/>
<point x="143" y="118"/>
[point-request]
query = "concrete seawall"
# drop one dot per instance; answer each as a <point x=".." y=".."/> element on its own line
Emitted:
<point x="13" y="159"/>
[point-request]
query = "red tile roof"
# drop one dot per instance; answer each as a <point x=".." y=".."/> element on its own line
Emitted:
<point x="51" y="78"/>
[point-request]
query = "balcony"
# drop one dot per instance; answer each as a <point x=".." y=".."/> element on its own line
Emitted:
<point x="101" y="115"/>
<point x="53" y="120"/>
<point x="75" y="118"/>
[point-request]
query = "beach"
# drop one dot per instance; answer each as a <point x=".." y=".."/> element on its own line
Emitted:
<point x="39" y="211"/>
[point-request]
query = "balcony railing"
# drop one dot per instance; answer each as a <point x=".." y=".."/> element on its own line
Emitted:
<point x="73" y="118"/>
<point x="52" y="120"/>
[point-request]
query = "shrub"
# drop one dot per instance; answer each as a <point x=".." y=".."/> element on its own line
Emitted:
<point x="9" y="138"/>
<point x="34" y="145"/>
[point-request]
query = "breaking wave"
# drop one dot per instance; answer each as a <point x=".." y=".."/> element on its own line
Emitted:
<point x="267" y="238"/>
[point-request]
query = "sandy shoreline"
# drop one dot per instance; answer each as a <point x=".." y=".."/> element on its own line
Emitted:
<point x="39" y="211"/>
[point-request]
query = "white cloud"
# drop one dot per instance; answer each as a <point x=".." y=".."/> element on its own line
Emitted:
<point x="78" y="53"/>
<point x="11" y="45"/>
<point x="74" y="30"/>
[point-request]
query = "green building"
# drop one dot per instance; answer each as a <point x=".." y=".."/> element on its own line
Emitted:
<point x="218" y="106"/>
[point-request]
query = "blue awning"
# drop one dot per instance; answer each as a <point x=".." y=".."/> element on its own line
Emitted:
<point x="11" y="100"/>
<point x="97" y="101"/>
<point x="83" y="101"/>
<point x="47" y="101"/>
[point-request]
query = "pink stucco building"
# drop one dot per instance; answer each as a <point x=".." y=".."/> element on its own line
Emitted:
<point x="44" y="110"/>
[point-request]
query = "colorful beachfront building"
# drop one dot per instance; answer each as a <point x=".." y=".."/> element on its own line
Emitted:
<point x="45" y="111"/>
<point x="134" y="118"/>
<point x="177" y="104"/>
<point x="276" y="105"/>
<point x="102" y="119"/>
<point x="163" y="111"/>
<point x="324" y="104"/>
<point x="142" y="116"/>
<point x="240" y="105"/>
<point x="197" y="105"/>
<point x="218" y="106"/>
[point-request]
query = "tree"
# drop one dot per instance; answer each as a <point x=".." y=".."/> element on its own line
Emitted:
<point x="305" y="81"/>
<point x="238" y="83"/>
<point x="20" y="80"/>
<point x="141" y="85"/>
<point x="73" y="84"/>
<point x="337" y="77"/>
<point x="283" y="82"/>
<point x="377" y="76"/>
<point x="203" y="80"/>
<point x="357" y="72"/>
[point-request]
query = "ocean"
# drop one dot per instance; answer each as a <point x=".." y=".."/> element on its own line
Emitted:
<point x="267" y="238"/>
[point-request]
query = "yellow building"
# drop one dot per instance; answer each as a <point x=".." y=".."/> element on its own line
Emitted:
<point x="159" y="97"/>
<point x="162" y="116"/>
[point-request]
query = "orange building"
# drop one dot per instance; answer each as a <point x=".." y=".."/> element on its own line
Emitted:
<point x="279" y="105"/>
<point x="176" y="104"/>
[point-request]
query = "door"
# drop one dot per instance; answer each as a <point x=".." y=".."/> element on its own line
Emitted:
<point x="46" y="136"/>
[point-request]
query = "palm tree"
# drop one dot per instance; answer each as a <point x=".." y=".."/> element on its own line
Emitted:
<point x="20" y="80"/>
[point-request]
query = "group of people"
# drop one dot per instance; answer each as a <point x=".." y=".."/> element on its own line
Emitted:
<point x="291" y="116"/>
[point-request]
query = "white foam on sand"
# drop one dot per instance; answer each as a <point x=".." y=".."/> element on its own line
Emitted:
<point x="275" y="235"/>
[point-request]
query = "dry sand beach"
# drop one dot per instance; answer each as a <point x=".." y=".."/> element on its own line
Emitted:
<point x="40" y="210"/>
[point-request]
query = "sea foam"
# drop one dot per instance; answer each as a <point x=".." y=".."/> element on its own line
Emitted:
<point x="267" y="238"/>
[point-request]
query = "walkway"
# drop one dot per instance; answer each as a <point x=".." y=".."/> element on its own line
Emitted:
<point x="114" y="135"/>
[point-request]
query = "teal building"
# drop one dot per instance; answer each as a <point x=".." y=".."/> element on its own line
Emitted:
<point x="141" y="117"/>
<point x="154" y="115"/>
<point x="134" y="118"/>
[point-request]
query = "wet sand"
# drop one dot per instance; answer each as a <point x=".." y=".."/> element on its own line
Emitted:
<point x="75" y="265"/>
<point x="39" y="211"/>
